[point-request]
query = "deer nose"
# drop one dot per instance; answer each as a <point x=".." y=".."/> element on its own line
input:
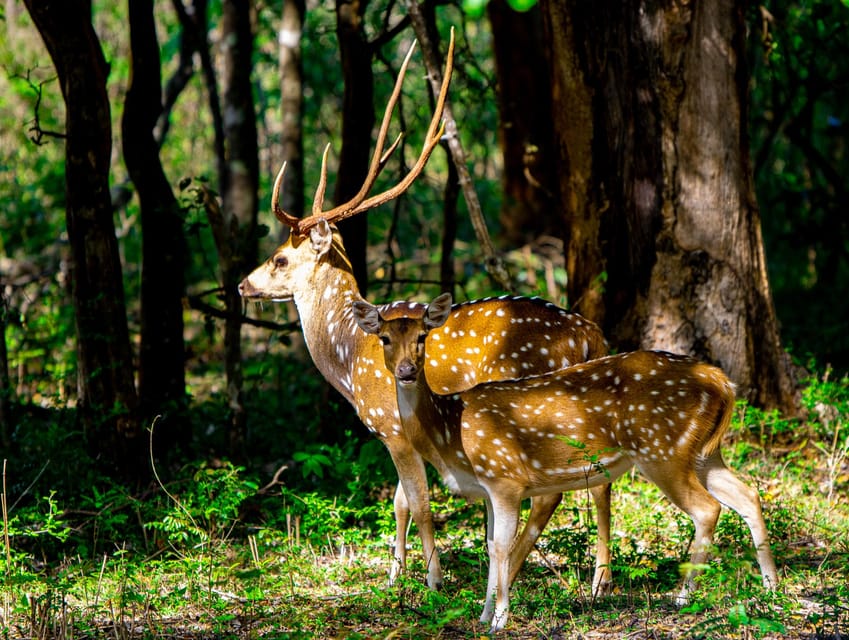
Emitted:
<point x="406" y="371"/>
<point x="245" y="288"/>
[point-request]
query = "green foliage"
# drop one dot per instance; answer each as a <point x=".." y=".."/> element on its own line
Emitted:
<point x="798" y="125"/>
<point x="208" y="509"/>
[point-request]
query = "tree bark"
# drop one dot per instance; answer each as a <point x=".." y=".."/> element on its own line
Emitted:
<point x="292" y="106"/>
<point x="5" y="383"/>
<point x="357" y="124"/>
<point x="664" y="249"/>
<point x="108" y="402"/>
<point x="239" y="187"/>
<point x="162" y="353"/>
<point x="530" y="207"/>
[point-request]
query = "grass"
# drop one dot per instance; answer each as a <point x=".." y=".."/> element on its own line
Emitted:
<point x="210" y="554"/>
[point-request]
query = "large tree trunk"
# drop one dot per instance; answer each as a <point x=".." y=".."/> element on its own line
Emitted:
<point x="357" y="124"/>
<point x="107" y="397"/>
<point x="665" y="248"/>
<point x="162" y="354"/>
<point x="530" y="207"/>
<point x="239" y="186"/>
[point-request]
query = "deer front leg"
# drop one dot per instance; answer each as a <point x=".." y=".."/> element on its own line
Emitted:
<point x="492" y="571"/>
<point x="416" y="500"/>
<point x="602" y="579"/>
<point x="402" y="523"/>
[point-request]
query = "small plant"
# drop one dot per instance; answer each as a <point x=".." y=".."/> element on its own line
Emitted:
<point x="208" y="510"/>
<point x="827" y="401"/>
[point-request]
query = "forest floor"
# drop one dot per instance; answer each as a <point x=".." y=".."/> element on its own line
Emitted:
<point x="324" y="574"/>
<point x="215" y="550"/>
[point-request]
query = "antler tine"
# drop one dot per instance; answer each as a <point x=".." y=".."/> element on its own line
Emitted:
<point x="434" y="134"/>
<point x="286" y="218"/>
<point x="360" y="203"/>
<point x="378" y="160"/>
<point x="318" y="201"/>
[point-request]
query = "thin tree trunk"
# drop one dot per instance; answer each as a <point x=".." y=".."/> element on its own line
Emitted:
<point x="5" y="382"/>
<point x="108" y="402"/>
<point x="433" y="63"/>
<point x="292" y="106"/>
<point x="162" y="354"/>
<point x="239" y="186"/>
<point x="529" y="207"/>
<point x="357" y="124"/>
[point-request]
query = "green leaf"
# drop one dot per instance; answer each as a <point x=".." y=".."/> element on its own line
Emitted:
<point x="474" y="8"/>
<point x="737" y="615"/>
<point x="522" y="5"/>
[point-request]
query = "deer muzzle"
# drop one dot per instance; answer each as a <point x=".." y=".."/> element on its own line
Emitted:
<point x="406" y="372"/>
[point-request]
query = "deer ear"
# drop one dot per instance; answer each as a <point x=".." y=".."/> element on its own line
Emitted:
<point x="437" y="311"/>
<point x="321" y="238"/>
<point x="366" y="316"/>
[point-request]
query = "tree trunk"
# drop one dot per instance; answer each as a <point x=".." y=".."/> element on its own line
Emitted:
<point x="107" y="397"/>
<point x="664" y="247"/>
<point x="239" y="186"/>
<point x="530" y="207"/>
<point x="292" y="106"/>
<point x="357" y="124"/>
<point x="5" y="383"/>
<point x="162" y="354"/>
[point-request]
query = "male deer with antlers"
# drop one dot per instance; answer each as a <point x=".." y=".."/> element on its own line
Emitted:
<point x="580" y="427"/>
<point x="495" y="335"/>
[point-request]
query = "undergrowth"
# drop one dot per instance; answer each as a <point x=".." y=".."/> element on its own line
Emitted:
<point x="228" y="551"/>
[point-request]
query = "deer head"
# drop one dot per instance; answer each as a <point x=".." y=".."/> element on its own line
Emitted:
<point x="404" y="358"/>
<point x="293" y="263"/>
<point x="578" y="427"/>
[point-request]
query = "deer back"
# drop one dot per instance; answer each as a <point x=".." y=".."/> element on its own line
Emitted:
<point x="588" y="424"/>
<point x="501" y="338"/>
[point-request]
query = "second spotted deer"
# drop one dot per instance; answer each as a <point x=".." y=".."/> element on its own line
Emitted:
<point x="580" y="427"/>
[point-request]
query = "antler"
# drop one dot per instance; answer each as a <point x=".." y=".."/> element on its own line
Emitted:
<point x="360" y="202"/>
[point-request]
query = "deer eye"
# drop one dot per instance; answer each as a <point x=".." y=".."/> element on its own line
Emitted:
<point x="384" y="339"/>
<point x="281" y="261"/>
<point x="421" y="339"/>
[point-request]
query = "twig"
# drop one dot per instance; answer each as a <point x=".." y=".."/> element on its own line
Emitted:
<point x="159" y="480"/>
<point x="31" y="484"/>
<point x="275" y="480"/>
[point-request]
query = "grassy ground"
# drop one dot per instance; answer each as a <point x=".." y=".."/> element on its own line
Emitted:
<point x="216" y="551"/>
<point x="318" y="566"/>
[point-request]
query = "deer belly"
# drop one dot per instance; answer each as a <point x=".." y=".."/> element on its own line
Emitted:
<point x="572" y="477"/>
<point x="462" y="483"/>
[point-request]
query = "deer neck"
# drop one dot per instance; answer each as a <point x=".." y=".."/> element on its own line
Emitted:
<point x="432" y="424"/>
<point x="423" y="413"/>
<point x="330" y="332"/>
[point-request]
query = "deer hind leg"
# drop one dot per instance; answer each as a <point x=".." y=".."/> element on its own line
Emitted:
<point x="542" y="508"/>
<point x="687" y="493"/>
<point x="414" y="498"/>
<point x="602" y="578"/>
<point x="735" y="494"/>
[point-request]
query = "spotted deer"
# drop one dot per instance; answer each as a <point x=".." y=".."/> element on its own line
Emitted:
<point x="582" y="426"/>
<point x="499" y="338"/>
